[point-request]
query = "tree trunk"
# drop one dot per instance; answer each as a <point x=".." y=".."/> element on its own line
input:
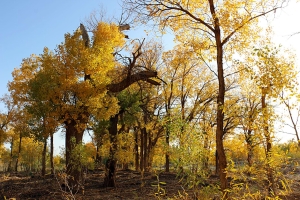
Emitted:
<point x="220" y="103"/>
<point x="44" y="157"/>
<point x="125" y="166"/>
<point x="217" y="170"/>
<point x="293" y="122"/>
<point x="136" y="149"/>
<point x="149" y="152"/>
<point x="167" y="152"/>
<point x="73" y="138"/>
<point x="51" y="154"/>
<point x="249" y="148"/>
<point x="145" y="162"/>
<point x="142" y="151"/>
<point x="111" y="164"/>
<point x="206" y="156"/>
<point x="98" y="159"/>
<point x="271" y="186"/>
<point x="19" y="152"/>
<point x="250" y="155"/>
<point x="9" y="167"/>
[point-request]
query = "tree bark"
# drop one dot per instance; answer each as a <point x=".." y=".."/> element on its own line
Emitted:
<point x="51" y="154"/>
<point x="73" y="138"/>
<point x="44" y="157"/>
<point x="142" y="149"/>
<point x="220" y="103"/>
<point x="206" y="156"/>
<point x="149" y="151"/>
<point x="98" y="159"/>
<point x="19" y="152"/>
<point x="249" y="148"/>
<point x="167" y="156"/>
<point x="136" y="149"/>
<point x="271" y="185"/>
<point x="111" y="164"/>
<point x="9" y="168"/>
<point x="145" y="162"/>
<point x="143" y="75"/>
<point x="167" y="152"/>
<point x="217" y="170"/>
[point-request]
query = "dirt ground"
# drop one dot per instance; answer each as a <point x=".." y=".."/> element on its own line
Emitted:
<point x="130" y="185"/>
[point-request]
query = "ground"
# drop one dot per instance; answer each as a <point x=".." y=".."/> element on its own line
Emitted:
<point x="130" y="185"/>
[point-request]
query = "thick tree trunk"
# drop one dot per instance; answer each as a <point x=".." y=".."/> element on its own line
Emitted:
<point x="110" y="174"/>
<point x="73" y="165"/>
<point x="271" y="185"/>
<point x="44" y="157"/>
<point x="111" y="164"/>
<point x="51" y="154"/>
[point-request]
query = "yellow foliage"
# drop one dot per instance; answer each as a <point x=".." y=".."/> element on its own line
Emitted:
<point x="31" y="153"/>
<point x="63" y="73"/>
<point x="57" y="160"/>
<point x="125" y="148"/>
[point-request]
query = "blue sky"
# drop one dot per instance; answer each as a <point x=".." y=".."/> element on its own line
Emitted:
<point x="27" y="26"/>
<point x="30" y="25"/>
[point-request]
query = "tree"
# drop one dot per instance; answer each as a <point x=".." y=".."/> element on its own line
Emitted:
<point x="6" y="117"/>
<point x="249" y="117"/>
<point x="218" y="28"/>
<point x="21" y="128"/>
<point x="79" y="78"/>
<point x="293" y="109"/>
<point x="30" y="156"/>
<point x="11" y="138"/>
<point x="188" y="88"/>
<point x="272" y="71"/>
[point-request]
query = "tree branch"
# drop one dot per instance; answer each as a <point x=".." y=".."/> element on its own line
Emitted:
<point x="143" y="75"/>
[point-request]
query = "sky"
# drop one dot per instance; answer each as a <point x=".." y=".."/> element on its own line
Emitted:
<point x="29" y="26"/>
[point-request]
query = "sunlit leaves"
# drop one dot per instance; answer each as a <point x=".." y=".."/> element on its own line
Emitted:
<point x="272" y="69"/>
<point x="57" y="80"/>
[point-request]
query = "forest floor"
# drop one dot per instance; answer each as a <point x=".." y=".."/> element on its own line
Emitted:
<point x="130" y="185"/>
